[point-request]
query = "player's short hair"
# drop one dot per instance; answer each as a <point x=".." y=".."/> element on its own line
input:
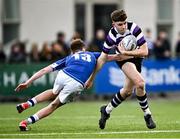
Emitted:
<point x="77" y="44"/>
<point x="118" y="15"/>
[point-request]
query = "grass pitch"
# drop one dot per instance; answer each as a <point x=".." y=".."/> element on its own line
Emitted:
<point x="80" y="120"/>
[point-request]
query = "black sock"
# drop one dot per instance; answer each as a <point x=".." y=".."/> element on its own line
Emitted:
<point x="117" y="99"/>
<point x="143" y="102"/>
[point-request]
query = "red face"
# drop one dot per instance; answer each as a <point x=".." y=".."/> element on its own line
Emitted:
<point x="121" y="26"/>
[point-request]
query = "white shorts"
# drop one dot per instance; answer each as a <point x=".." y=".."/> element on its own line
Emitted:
<point x="66" y="87"/>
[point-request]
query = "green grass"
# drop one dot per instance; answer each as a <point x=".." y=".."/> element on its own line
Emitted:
<point x="80" y="120"/>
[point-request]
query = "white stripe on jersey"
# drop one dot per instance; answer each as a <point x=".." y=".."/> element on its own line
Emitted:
<point x="54" y="65"/>
<point x="139" y="36"/>
<point x="133" y="27"/>
<point x="123" y="35"/>
<point x="112" y="36"/>
<point x="115" y="29"/>
<point x="107" y="46"/>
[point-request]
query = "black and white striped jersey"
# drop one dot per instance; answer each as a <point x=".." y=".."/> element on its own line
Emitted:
<point x="114" y="38"/>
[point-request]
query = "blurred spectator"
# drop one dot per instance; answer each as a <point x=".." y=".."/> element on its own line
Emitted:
<point x="150" y="43"/>
<point x="34" y="54"/>
<point x="178" y="46"/>
<point x="45" y="54"/>
<point x="97" y="44"/>
<point x="162" y="47"/>
<point x="162" y="50"/>
<point x="61" y="41"/>
<point x="2" y="54"/>
<point x="57" y="51"/>
<point x="76" y="35"/>
<point x="18" y="53"/>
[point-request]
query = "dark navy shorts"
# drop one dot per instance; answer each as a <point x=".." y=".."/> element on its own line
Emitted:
<point x="136" y="61"/>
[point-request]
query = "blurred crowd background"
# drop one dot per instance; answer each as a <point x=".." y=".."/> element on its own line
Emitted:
<point x="159" y="49"/>
<point x="41" y="30"/>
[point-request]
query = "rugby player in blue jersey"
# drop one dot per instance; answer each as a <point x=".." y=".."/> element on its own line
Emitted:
<point x="131" y="67"/>
<point x="74" y="70"/>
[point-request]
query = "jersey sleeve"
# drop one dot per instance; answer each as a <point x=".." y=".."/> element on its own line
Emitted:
<point x="59" y="64"/>
<point x="137" y="32"/>
<point x="109" y="42"/>
<point x="96" y="54"/>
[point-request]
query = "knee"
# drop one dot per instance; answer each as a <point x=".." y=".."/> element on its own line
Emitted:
<point x="128" y="92"/>
<point x="140" y="84"/>
<point x="54" y="105"/>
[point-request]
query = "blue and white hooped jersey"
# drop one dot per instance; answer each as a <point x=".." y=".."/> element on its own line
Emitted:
<point x="114" y="38"/>
<point x="78" y="66"/>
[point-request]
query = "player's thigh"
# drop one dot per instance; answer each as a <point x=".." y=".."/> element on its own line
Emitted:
<point x="59" y="82"/>
<point x="131" y="73"/>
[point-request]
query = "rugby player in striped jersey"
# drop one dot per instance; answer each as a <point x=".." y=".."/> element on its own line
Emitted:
<point x="131" y="67"/>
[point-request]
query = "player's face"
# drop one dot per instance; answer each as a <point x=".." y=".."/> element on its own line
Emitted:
<point x="121" y="26"/>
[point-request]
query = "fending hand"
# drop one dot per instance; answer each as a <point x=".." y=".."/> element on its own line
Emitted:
<point x="21" y="86"/>
<point x="121" y="48"/>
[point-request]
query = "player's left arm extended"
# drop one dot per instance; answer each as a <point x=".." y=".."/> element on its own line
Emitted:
<point x="100" y="62"/>
<point x="34" y="77"/>
<point x="141" y="52"/>
<point x="118" y="57"/>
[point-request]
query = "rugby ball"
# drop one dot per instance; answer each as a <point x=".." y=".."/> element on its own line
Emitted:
<point x="129" y="43"/>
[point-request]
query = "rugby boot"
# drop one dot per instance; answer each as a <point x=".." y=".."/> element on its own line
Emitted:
<point x="23" y="126"/>
<point x="21" y="107"/>
<point x="149" y="121"/>
<point x="104" y="117"/>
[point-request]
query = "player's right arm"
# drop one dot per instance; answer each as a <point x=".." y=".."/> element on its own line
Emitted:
<point x="34" y="77"/>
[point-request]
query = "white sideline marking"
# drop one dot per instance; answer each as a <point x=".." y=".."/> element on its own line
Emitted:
<point x="93" y="133"/>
